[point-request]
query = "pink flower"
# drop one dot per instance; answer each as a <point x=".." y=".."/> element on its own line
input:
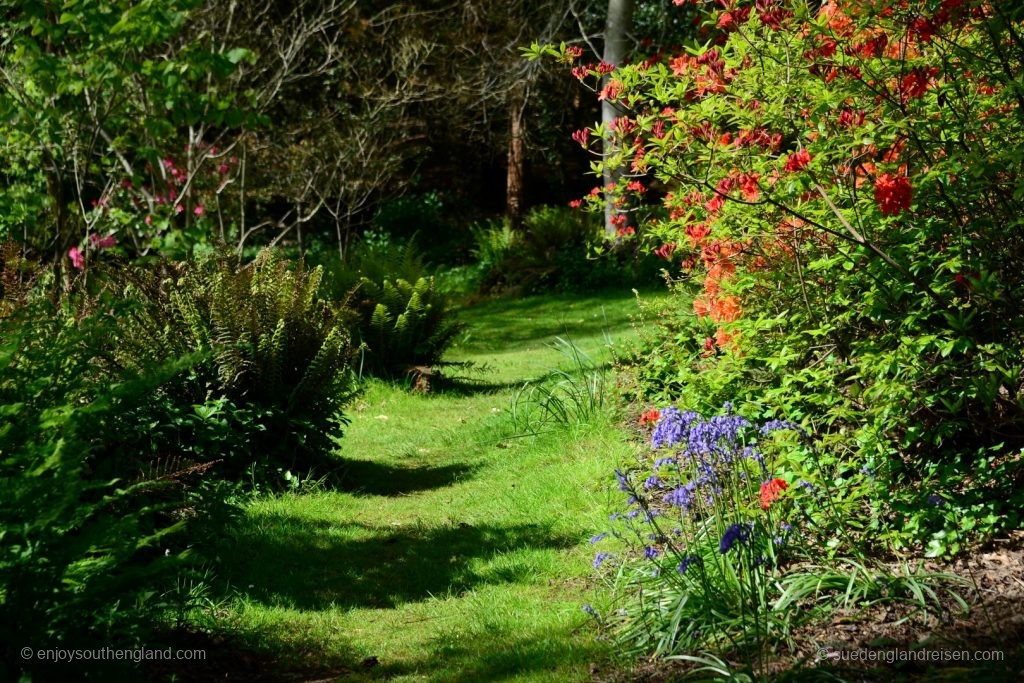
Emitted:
<point x="149" y="220"/>
<point x="178" y="208"/>
<point x="77" y="259"/>
<point x="102" y="242"/>
<point x="223" y="169"/>
<point x="582" y="136"/>
<point x="199" y="210"/>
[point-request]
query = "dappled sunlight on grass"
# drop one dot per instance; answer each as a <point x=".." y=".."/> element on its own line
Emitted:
<point x="447" y="546"/>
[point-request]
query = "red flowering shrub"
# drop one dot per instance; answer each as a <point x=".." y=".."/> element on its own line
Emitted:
<point x="830" y="171"/>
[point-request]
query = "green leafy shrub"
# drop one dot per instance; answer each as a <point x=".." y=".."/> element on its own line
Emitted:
<point x="376" y="257"/>
<point x="427" y="220"/>
<point x="843" y="197"/>
<point x="556" y="250"/>
<point x="275" y="356"/>
<point x="90" y="550"/>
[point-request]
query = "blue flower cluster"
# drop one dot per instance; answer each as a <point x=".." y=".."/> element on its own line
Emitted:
<point x="698" y="462"/>
<point x="672" y="428"/>
<point x="736" y="533"/>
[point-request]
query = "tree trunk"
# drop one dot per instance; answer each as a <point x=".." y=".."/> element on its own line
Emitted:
<point x="616" y="45"/>
<point x="516" y="161"/>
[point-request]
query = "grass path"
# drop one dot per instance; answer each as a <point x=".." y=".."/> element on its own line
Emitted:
<point x="455" y="551"/>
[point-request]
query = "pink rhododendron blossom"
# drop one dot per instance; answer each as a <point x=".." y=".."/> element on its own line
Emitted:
<point x="77" y="258"/>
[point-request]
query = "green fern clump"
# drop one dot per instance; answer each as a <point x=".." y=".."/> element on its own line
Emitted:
<point x="272" y="344"/>
<point x="403" y="324"/>
<point x="401" y="319"/>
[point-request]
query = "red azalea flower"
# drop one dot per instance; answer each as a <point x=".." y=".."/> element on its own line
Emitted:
<point x="665" y="251"/>
<point x="650" y="417"/>
<point x="797" y="161"/>
<point x="770" y="491"/>
<point x="893" y="194"/>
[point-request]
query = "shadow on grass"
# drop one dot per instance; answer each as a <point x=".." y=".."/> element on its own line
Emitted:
<point x="315" y="564"/>
<point x="371" y="478"/>
<point x="503" y="655"/>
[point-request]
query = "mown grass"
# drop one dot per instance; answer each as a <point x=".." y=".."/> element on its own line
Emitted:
<point x="454" y="549"/>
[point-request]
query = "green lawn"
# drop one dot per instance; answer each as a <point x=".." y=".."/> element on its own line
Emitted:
<point x="456" y="550"/>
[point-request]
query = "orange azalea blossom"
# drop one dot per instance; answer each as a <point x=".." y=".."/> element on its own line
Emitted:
<point x="771" y="490"/>
<point x="724" y="339"/>
<point x="650" y="417"/>
<point x="726" y="310"/>
<point x="701" y="306"/>
<point x="836" y="19"/>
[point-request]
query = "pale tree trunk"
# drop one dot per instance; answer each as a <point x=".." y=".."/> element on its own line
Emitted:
<point x="516" y="160"/>
<point x="616" y="45"/>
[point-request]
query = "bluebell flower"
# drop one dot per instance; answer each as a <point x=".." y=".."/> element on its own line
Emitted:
<point x="780" y="425"/>
<point x="681" y="496"/>
<point x="599" y="558"/>
<point x="663" y="461"/>
<point x="718" y="436"/>
<point x="688" y="562"/>
<point x="672" y="428"/>
<point x="598" y="538"/>
<point x="650" y="553"/>
<point x="632" y="514"/>
<point x="735" y="533"/>
<point x="652" y="482"/>
<point x="803" y="483"/>
<point x="936" y="500"/>
<point x="623" y="482"/>
<point x="590" y="610"/>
